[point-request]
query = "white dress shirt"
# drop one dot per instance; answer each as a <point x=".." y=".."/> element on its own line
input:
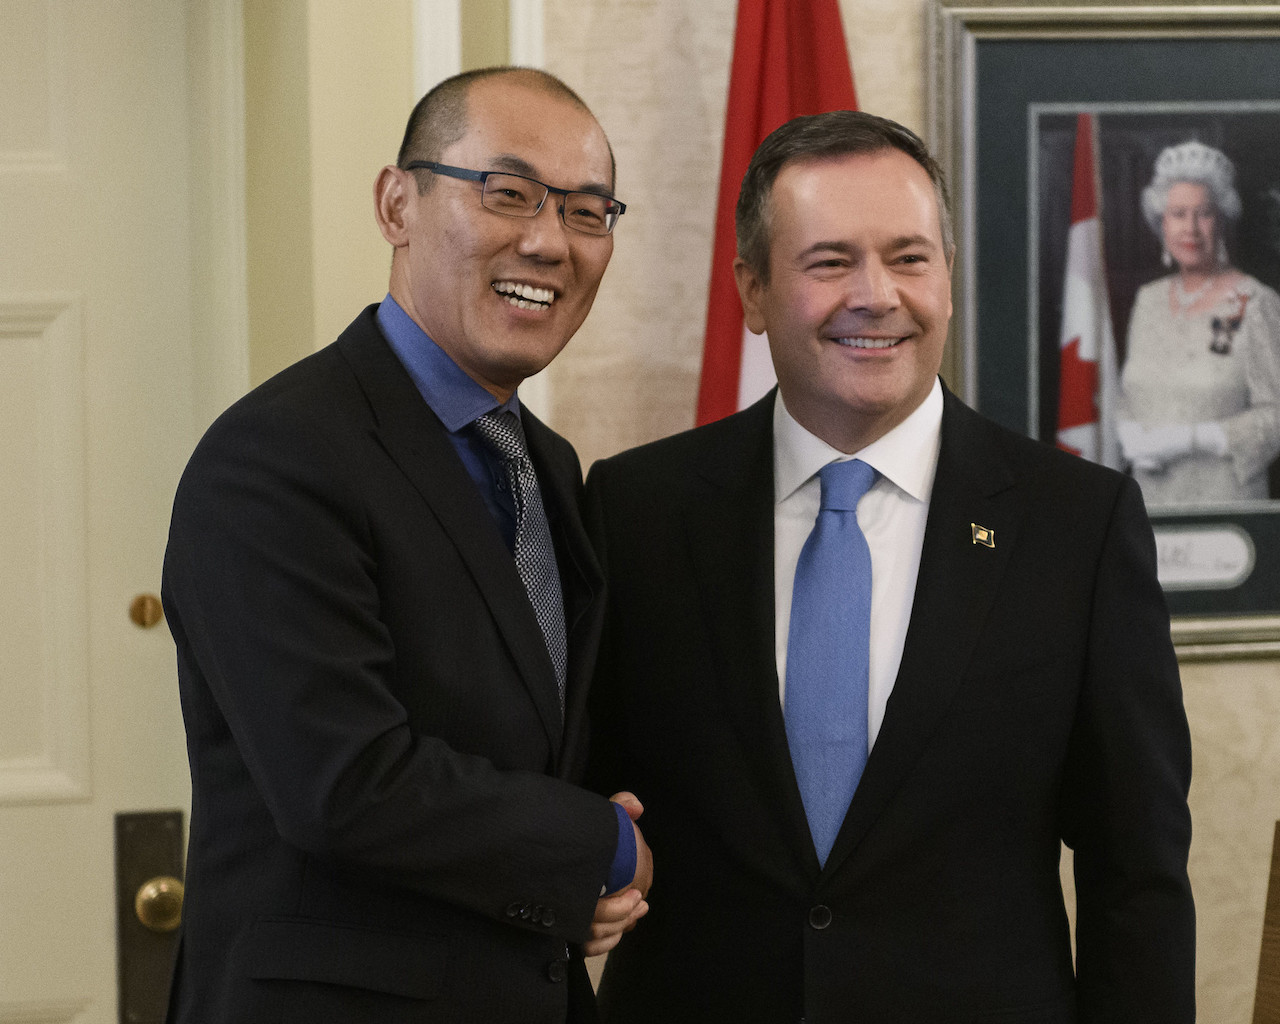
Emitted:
<point x="891" y="515"/>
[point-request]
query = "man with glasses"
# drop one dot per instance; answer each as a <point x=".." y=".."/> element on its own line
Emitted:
<point x="386" y="612"/>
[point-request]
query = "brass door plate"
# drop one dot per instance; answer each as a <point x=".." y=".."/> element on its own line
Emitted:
<point x="148" y="851"/>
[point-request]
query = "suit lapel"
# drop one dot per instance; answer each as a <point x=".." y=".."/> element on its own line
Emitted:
<point x="958" y="581"/>
<point x="417" y="442"/>
<point x="730" y="530"/>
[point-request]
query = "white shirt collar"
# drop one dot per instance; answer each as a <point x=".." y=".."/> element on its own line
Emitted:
<point x="907" y="455"/>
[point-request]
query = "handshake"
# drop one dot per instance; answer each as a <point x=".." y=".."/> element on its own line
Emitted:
<point x="1153" y="448"/>
<point x="617" y="913"/>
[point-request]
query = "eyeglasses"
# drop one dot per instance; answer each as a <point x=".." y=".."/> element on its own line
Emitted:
<point x="514" y="195"/>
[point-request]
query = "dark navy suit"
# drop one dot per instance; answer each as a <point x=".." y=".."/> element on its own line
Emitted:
<point x="1038" y="701"/>
<point x="383" y="825"/>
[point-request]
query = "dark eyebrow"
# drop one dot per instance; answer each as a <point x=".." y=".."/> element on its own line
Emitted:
<point x="507" y="162"/>
<point x="844" y="248"/>
<point x="515" y="165"/>
<point x="841" y="247"/>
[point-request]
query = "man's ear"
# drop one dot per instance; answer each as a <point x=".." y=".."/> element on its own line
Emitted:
<point x="392" y="191"/>
<point x="750" y="291"/>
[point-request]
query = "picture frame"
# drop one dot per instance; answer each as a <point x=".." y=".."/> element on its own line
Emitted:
<point x="1005" y="81"/>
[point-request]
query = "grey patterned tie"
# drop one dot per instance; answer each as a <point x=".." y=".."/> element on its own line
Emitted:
<point x="535" y="554"/>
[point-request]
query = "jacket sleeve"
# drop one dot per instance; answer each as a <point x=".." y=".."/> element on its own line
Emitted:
<point x="1125" y="794"/>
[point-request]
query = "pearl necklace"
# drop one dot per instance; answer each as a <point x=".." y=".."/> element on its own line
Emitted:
<point x="1184" y="299"/>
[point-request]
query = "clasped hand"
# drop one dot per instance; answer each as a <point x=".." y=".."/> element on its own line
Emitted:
<point x="1152" y="448"/>
<point x="617" y="913"/>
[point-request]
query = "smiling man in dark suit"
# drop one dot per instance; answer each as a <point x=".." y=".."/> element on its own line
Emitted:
<point x="386" y="612"/>
<point x="870" y="659"/>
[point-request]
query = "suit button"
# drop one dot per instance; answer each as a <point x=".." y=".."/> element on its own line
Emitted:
<point x="513" y="910"/>
<point x="819" y="917"/>
<point x="548" y="917"/>
<point x="557" y="970"/>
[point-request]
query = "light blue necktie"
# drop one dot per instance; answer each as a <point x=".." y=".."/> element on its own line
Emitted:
<point x="827" y="654"/>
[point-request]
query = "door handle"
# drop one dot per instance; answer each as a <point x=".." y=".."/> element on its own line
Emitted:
<point x="158" y="903"/>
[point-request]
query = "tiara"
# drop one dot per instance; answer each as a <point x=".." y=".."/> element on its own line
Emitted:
<point x="1194" y="161"/>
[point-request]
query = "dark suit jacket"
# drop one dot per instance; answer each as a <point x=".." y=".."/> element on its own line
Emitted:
<point x="383" y="827"/>
<point x="1038" y="700"/>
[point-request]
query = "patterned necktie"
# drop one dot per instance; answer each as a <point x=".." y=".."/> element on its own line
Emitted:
<point x="827" y="654"/>
<point x="535" y="554"/>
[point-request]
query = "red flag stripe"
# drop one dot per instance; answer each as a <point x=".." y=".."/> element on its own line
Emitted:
<point x="789" y="58"/>
<point x="1084" y="201"/>
<point x="1087" y="376"/>
<point x="1078" y="383"/>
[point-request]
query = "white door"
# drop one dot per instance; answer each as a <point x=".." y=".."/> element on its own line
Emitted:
<point x="97" y="392"/>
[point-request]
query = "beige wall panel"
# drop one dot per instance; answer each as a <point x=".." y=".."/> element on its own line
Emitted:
<point x="278" y="170"/>
<point x="886" y="50"/>
<point x="1234" y="708"/>
<point x="361" y="92"/>
<point x="328" y="89"/>
<point x="657" y="76"/>
<point x="484" y="25"/>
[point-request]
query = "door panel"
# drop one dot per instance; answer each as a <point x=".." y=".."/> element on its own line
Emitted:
<point x="96" y="421"/>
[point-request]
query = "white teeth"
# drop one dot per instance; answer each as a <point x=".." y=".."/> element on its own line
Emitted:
<point x="868" y="342"/>
<point x="524" y="296"/>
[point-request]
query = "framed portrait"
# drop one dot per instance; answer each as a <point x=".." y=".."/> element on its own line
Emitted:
<point x="1115" y="174"/>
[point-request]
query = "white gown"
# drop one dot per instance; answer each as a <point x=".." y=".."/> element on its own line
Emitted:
<point x="1221" y="364"/>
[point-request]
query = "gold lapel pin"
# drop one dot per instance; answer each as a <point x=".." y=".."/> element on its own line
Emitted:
<point x="983" y="535"/>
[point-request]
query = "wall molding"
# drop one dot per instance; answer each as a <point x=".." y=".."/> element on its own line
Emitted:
<point x="437" y="42"/>
<point x="527" y="33"/>
<point x="220" y="253"/>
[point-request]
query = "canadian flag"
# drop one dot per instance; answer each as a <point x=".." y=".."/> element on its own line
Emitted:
<point x="1086" y="344"/>
<point x="789" y="58"/>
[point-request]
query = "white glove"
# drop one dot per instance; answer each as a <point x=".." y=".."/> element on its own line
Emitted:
<point x="1153" y="448"/>
<point x="1211" y="438"/>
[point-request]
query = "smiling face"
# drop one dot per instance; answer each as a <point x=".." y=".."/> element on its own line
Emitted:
<point x="501" y="295"/>
<point x="1191" y="227"/>
<point x="859" y="293"/>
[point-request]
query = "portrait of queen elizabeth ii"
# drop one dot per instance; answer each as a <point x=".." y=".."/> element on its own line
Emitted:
<point x="1198" y="413"/>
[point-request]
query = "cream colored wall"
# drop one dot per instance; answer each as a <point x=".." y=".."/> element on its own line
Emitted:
<point x="357" y="119"/>
<point x="278" y="176"/>
<point x="328" y="89"/>
<point x="484" y="33"/>
<point x="1234" y="710"/>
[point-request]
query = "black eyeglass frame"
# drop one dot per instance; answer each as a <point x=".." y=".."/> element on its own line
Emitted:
<point x="617" y="209"/>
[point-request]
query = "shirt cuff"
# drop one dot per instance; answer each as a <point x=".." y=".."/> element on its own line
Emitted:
<point x="623" y="868"/>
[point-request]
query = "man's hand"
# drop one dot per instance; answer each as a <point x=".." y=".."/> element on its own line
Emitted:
<point x="644" y="858"/>
<point x="617" y="914"/>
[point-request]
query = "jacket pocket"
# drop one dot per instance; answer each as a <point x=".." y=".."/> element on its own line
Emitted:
<point x="297" y="949"/>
